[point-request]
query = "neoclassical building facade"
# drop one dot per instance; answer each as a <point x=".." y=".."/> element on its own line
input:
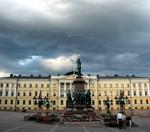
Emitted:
<point x="17" y="92"/>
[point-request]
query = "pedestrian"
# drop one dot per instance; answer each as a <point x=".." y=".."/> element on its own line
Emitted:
<point x="120" y="120"/>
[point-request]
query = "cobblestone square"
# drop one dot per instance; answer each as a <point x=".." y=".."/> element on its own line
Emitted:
<point x="14" y="122"/>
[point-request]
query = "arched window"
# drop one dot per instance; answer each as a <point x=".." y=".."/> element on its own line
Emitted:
<point x="11" y="102"/>
<point x="5" y="101"/>
<point x="135" y="101"/>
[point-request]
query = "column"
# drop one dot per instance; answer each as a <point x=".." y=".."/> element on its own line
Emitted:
<point x="65" y="89"/>
<point x="137" y="89"/>
<point x="4" y="90"/>
<point x="15" y="91"/>
<point x="9" y="92"/>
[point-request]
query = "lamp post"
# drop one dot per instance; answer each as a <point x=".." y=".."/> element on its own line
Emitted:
<point x="41" y="102"/>
<point x="107" y="102"/>
<point x="121" y="100"/>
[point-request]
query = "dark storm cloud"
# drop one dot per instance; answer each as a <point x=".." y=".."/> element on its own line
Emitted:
<point x="110" y="36"/>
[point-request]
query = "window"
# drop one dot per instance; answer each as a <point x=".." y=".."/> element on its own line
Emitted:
<point x="0" y="101"/>
<point x="30" y="85"/>
<point x="146" y="101"/>
<point x="99" y="102"/>
<point x="54" y="102"/>
<point x="140" y="93"/>
<point x="134" y="93"/>
<point x="146" y="93"/>
<point x="30" y="94"/>
<point x="139" y="85"/>
<point x="36" y="85"/>
<point x="29" y="102"/>
<point x="92" y="93"/>
<point x="11" y="102"/>
<point x="67" y="86"/>
<point x="105" y="85"/>
<point x="6" y="93"/>
<point x="135" y="101"/>
<point x="141" y="101"/>
<point x="12" y="93"/>
<point x="145" y="85"/>
<point x="7" y="85"/>
<point x="24" y="94"/>
<point x="61" y="102"/>
<point x="42" y="85"/>
<point x="93" y="102"/>
<point x="54" y="94"/>
<point x="141" y="107"/>
<point x="134" y="85"/>
<point x="1" y="93"/>
<point x="47" y="94"/>
<point x="25" y="85"/>
<point x="62" y="88"/>
<point x="18" y="102"/>
<point x="111" y="102"/>
<point x="110" y="85"/>
<point x="1" y="84"/>
<point x="99" y="94"/>
<point x="24" y="102"/>
<point x="18" y="93"/>
<point x="128" y="93"/>
<point x="6" y="101"/>
<point x="128" y="85"/>
<point x="129" y="102"/>
<point x="48" y="85"/>
<point x="35" y="93"/>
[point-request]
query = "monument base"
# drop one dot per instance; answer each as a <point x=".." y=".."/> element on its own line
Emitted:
<point x="80" y="113"/>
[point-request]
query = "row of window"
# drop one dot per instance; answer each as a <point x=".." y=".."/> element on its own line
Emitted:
<point x="25" y="85"/>
<point x="6" y="93"/>
<point x="134" y="85"/>
<point x="110" y="93"/>
<point x="24" y="102"/>
<point x="62" y="102"/>
<point x="36" y="85"/>
<point x="62" y="95"/>
<point x="100" y="102"/>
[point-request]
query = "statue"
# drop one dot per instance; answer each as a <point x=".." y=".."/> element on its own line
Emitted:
<point x="88" y="98"/>
<point x="69" y="98"/>
<point x="79" y="66"/>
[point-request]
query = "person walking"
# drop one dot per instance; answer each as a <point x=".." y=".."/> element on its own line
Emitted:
<point x="120" y="120"/>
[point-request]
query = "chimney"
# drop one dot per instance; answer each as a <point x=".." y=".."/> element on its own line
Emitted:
<point x="11" y="75"/>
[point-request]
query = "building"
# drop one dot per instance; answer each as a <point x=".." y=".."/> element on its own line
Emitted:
<point x="17" y="92"/>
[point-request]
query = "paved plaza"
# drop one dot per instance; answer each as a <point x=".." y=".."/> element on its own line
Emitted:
<point x="13" y="122"/>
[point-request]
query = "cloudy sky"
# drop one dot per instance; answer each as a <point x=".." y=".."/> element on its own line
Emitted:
<point x="47" y="36"/>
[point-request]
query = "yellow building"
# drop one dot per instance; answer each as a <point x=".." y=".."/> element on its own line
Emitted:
<point x="17" y="92"/>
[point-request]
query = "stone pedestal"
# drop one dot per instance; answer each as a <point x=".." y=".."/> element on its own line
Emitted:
<point x="79" y="84"/>
<point x="80" y="106"/>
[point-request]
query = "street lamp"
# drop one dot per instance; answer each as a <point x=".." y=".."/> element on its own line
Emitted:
<point x="107" y="102"/>
<point x="42" y="102"/>
<point x="121" y="100"/>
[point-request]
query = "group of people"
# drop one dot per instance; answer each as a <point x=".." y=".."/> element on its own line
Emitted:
<point x="121" y="119"/>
